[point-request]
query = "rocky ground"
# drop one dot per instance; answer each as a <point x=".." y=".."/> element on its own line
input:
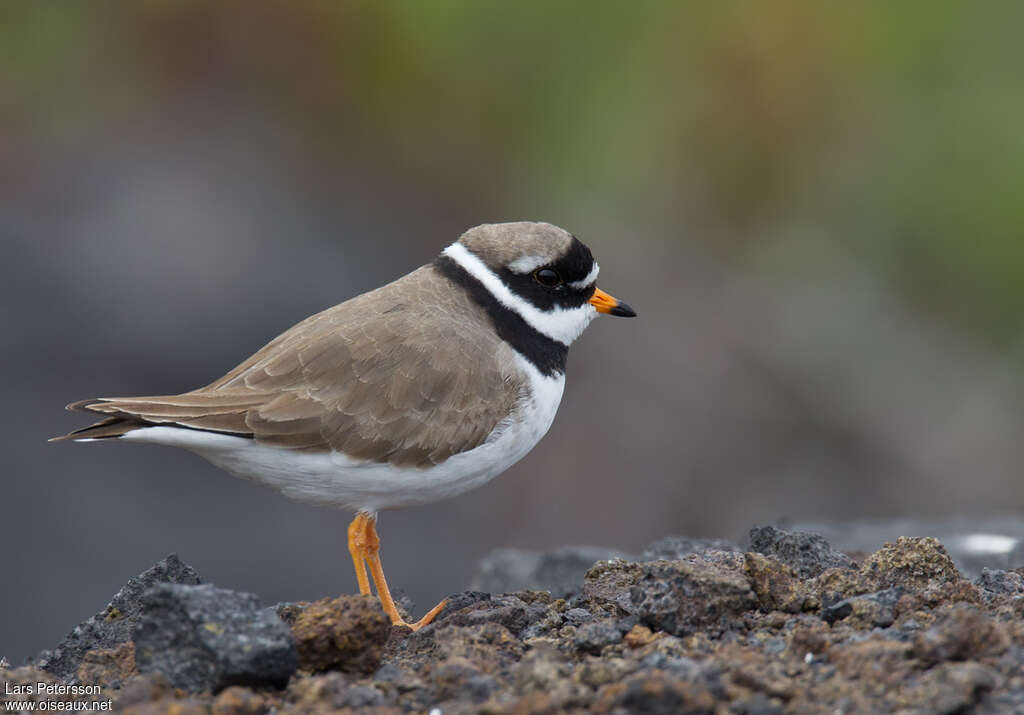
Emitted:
<point x="787" y="625"/>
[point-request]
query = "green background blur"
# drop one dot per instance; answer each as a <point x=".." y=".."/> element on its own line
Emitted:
<point x="815" y="208"/>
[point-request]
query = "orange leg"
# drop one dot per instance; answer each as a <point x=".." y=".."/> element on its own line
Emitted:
<point x="364" y="545"/>
<point x="356" y="547"/>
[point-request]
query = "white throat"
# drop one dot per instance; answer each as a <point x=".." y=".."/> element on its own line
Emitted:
<point x="561" y="324"/>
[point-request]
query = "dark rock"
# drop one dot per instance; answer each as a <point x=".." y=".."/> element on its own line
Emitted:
<point x="777" y="586"/>
<point x="560" y="572"/>
<point x="757" y="704"/>
<point x="961" y="633"/>
<point x="973" y="542"/>
<point x="577" y="616"/>
<point x="347" y="633"/>
<point x="458" y="678"/>
<point x="673" y="548"/>
<point x="361" y="696"/>
<point x="871" y="610"/>
<point x="679" y="596"/>
<point x="507" y="610"/>
<point x="458" y="601"/>
<point x="807" y="554"/>
<point x="113" y="625"/>
<point x="205" y="638"/>
<point x="593" y="637"/>
<point x="1001" y="583"/>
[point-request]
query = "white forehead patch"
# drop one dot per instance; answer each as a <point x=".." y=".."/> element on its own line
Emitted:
<point x="527" y="264"/>
<point x="589" y="280"/>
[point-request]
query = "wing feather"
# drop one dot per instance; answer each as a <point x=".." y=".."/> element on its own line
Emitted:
<point x="409" y="374"/>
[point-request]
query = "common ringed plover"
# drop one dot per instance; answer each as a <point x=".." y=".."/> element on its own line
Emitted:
<point x="416" y="391"/>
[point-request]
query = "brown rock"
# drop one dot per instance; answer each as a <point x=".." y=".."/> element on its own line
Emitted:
<point x="143" y="689"/>
<point x="878" y="662"/>
<point x="807" y="639"/>
<point x="777" y="586"/>
<point x="953" y="688"/>
<point x="169" y="706"/>
<point x="640" y="636"/>
<point x="237" y="700"/>
<point x="347" y="633"/>
<point x="836" y="584"/>
<point x="610" y="581"/>
<point x="655" y="692"/>
<point x="110" y="667"/>
<point x="911" y="563"/>
<point x="962" y="633"/>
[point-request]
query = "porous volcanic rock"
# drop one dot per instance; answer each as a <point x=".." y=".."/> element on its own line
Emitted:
<point x="807" y="554"/>
<point x="708" y="630"/>
<point x="204" y="639"/>
<point x="347" y="633"/>
<point x="113" y="625"/>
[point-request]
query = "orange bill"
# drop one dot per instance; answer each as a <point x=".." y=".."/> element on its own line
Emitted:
<point x="605" y="303"/>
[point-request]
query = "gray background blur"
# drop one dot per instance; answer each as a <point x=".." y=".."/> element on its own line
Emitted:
<point x="816" y="213"/>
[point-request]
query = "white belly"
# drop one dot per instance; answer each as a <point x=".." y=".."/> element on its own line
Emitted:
<point x="333" y="479"/>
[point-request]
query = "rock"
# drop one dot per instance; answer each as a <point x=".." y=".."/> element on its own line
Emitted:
<point x="593" y="637"/>
<point x="875" y="660"/>
<point x="806" y="640"/>
<point x="912" y="563"/>
<point x="953" y="688"/>
<point x="317" y="694"/>
<point x="777" y="586"/>
<point x="961" y="633"/>
<point x="108" y="667"/>
<point x="29" y="689"/>
<point x="673" y="548"/>
<point x="237" y="700"/>
<point x="807" y="554"/>
<point x="870" y="610"/>
<point x="508" y="610"/>
<point x="560" y="571"/>
<point x="973" y="542"/>
<point x="459" y="679"/>
<point x="145" y="688"/>
<point x="347" y="633"/>
<point x="113" y="625"/>
<point x="679" y="596"/>
<point x="169" y="706"/>
<point x="205" y="639"/>
<point x="655" y="693"/>
<point x="1000" y="583"/>
<point x="611" y="581"/>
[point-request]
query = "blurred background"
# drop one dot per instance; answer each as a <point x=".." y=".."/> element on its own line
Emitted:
<point x="815" y="209"/>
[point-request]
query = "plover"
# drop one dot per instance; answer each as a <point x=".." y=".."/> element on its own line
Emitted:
<point x="416" y="391"/>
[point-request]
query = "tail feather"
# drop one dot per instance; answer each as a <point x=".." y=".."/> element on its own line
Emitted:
<point x="104" y="429"/>
<point x="215" y="412"/>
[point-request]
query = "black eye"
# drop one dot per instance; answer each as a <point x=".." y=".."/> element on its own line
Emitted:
<point x="547" y="277"/>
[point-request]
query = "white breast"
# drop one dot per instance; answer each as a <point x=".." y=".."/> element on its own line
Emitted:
<point x="331" y="478"/>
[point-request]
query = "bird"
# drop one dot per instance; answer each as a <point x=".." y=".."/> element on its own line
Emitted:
<point x="414" y="392"/>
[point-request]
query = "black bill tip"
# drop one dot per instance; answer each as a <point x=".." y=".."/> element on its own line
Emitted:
<point x="622" y="310"/>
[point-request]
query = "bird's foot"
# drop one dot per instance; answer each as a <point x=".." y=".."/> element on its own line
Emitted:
<point x="397" y="620"/>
